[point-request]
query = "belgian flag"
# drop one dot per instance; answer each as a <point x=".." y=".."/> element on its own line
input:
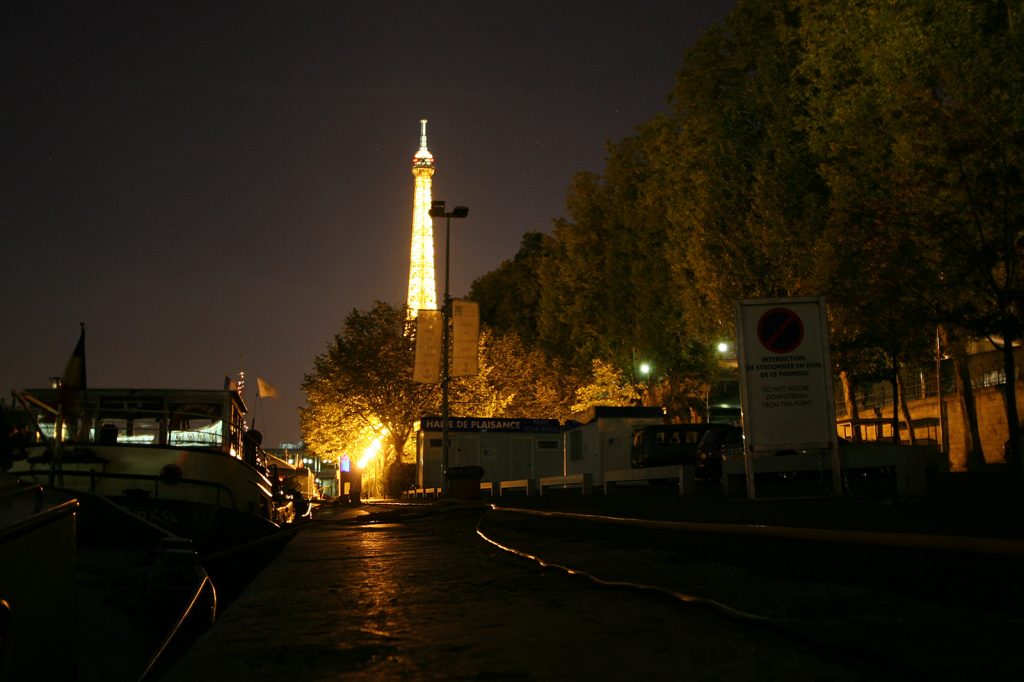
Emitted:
<point x="73" y="380"/>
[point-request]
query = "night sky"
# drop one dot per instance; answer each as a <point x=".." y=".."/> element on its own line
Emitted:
<point x="214" y="186"/>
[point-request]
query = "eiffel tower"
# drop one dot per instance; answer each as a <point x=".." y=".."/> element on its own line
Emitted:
<point x="422" y="285"/>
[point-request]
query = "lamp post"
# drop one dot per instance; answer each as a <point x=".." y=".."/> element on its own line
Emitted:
<point x="437" y="210"/>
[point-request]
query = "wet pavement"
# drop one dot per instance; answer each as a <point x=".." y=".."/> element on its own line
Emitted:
<point x="418" y="595"/>
<point x="424" y="600"/>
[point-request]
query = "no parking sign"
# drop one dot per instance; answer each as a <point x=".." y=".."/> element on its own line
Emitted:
<point x="785" y="374"/>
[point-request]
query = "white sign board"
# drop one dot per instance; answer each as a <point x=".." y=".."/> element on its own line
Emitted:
<point x="465" y="338"/>
<point x="427" y="367"/>
<point x="785" y="374"/>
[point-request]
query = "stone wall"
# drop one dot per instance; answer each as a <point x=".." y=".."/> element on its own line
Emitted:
<point x="925" y="417"/>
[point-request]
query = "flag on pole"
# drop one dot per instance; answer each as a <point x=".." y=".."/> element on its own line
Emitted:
<point x="264" y="389"/>
<point x="71" y="383"/>
<point x="73" y="380"/>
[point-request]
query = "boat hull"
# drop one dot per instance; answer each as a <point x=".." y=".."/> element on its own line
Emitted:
<point x="37" y="584"/>
<point x="210" y="497"/>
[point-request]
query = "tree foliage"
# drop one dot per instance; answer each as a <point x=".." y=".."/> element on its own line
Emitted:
<point x="608" y="386"/>
<point x="509" y="295"/>
<point x="608" y="287"/>
<point x="514" y="380"/>
<point x="749" y="201"/>
<point x="363" y="384"/>
<point x="867" y="152"/>
<point x="364" y="379"/>
<point x="915" y="111"/>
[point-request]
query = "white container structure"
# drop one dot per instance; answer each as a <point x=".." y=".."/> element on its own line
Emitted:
<point x="506" y="449"/>
<point x="599" y="439"/>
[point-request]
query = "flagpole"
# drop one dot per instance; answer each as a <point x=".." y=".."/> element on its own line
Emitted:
<point x="58" y="445"/>
<point x="85" y="387"/>
<point x="74" y="378"/>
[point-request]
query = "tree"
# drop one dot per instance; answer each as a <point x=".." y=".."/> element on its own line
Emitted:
<point x="514" y="380"/>
<point x="915" y="115"/>
<point x="573" y="279"/>
<point x="509" y="295"/>
<point x="364" y="379"/>
<point x="607" y="386"/>
<point x="750" y="206"/>
<point x="607" y="280"/>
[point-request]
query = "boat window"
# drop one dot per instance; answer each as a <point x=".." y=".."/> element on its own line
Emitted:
<point x="47" y="425"/>
<point x="137" y="420"/>
<point x="140" y="429"/>
<point x="206" y="419"/>
<point x="195" y="425"/>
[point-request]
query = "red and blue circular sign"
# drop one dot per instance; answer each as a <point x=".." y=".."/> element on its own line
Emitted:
<point x="780" y="330"/>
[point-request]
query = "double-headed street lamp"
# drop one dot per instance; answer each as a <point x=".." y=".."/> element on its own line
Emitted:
<point x="437" y="211"/>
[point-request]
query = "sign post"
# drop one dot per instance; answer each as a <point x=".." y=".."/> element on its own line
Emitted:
<point x="785" y="380"/>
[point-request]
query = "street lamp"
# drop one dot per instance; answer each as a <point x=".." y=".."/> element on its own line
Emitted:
<point x="645" y="372"/>
<point x="437" y="211"/>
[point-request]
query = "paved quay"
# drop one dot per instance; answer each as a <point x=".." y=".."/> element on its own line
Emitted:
<point x="970" y="506"/>
<point x="417" y="595"/>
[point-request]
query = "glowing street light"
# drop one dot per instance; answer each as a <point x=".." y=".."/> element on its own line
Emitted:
<point x="437" y="210"/>
<point x="370" y="453"/>
<point x="645" y="373"/>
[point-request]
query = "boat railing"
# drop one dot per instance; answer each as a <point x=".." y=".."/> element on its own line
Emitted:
<point x="156" y="480"/>
<point x="15" y="490"/>
<point x="6" y="632"/>
<point x="30" y="509"/>
<point x="199" y="612"/>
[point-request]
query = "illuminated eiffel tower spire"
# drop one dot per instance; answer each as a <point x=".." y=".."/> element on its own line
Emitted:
<point x="422" y="286"/>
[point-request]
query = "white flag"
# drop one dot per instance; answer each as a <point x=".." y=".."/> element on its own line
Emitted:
<point x="264" y="389"/>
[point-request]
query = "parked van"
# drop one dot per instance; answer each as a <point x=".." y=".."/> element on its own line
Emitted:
<point x="668" y="444"/>
<point x="717" y="444"/>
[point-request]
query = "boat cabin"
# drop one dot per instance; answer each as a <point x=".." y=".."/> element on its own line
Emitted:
<point x="207" y="419"/>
